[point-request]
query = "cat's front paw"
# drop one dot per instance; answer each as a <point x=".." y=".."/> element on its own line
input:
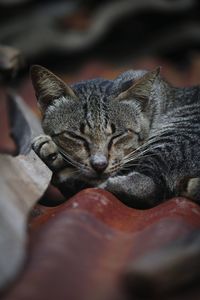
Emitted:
<point x="47" y="150"/>
<point x="114" y="184"/>
<point x="135" y="189"/>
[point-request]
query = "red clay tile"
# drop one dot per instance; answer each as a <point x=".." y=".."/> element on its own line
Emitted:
<point x="81" y="249"/>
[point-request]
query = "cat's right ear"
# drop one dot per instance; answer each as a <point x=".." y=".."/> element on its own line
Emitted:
<point x="48" y="87"/>
<point x="140" y="89"/>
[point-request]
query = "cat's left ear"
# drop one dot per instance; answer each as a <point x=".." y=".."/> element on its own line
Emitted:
<point x="141" y="88"/>
<point x="48" y="87"/>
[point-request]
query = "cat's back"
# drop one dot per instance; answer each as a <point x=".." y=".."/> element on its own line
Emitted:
<point x="188" y="95"/>
<point x="106" y="87"/>
<point x="183" y="101"/>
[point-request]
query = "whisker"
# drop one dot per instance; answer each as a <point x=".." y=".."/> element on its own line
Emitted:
<point x="76" y="171"/>
<point x="115" y="167"/>
<point x="141" y="149"/>
<point x="70" y="160"/>
<point x="128" y="165"/>
<point x="151" y="142"/>
<point x="141" y="155"/>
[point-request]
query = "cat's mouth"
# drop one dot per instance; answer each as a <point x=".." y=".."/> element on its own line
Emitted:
<point x="95" y="176"/>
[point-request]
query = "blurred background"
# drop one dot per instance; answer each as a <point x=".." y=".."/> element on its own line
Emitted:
<point x="84" y="39"/>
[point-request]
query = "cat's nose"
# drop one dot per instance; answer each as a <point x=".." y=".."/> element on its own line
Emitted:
<point x="99" y="162"/>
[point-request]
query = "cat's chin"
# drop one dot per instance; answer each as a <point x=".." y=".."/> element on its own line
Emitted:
<point x="95" y="179"/>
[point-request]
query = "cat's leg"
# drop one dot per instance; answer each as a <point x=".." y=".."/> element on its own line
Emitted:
<point x="47" y="150"/>
<point x="64" y="176"/>
<point x="135" y="189"/>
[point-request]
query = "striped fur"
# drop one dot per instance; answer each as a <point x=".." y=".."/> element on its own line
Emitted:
<point x="142" y="131"/>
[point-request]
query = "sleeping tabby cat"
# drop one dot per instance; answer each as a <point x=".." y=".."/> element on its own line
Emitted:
<point x="136" y="136"/>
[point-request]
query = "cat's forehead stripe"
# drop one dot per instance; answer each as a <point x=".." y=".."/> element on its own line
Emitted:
<point x="95" y="110"/>
<point x="93" y="95"/>
<point x="100" y="86"/>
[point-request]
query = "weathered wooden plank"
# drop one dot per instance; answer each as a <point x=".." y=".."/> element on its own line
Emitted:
<point x="23" y="180"/>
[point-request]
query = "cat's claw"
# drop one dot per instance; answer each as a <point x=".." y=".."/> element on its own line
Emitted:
<point x="44" y="146"/>
<point x="47" y="150"/>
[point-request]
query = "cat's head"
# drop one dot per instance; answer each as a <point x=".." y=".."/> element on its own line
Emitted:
<point x="97" y="132"/>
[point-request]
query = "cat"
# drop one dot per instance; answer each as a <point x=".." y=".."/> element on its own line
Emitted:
<point x="135" y="136"/>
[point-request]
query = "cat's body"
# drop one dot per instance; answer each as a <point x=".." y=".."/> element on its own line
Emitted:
<point x="135" y="136"/>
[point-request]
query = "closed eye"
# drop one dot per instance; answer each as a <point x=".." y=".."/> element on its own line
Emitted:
<point x="75" y="136"/>
<point x="68" y="134"/>
<point x="115" y="137"/>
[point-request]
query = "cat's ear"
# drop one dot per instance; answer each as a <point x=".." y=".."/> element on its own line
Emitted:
<point x="48" y="87"/>
<point x="141" y="88"/>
